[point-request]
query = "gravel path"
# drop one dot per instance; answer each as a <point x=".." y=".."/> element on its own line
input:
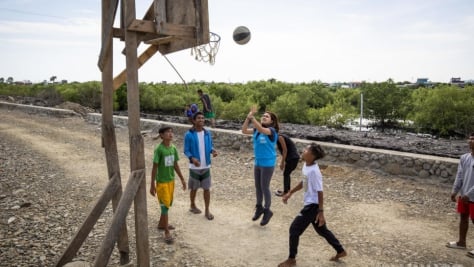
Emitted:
<point x="53" y="170"/>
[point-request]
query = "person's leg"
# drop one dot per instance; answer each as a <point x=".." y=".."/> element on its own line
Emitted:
<point x="463" y="228"/>
<point x="265" y="179"/>
<point x="207" y="200"/>
<point x="193" y="185"/>
<point x="164" y="193"/>
<point x="267" y="173"/>
<point x="331" y="239"/>
<point x="258" y="193"/>
<point x="257" y="173"/>
<point x="297" y="228"/>
<point x="192" y="197"/>
<point x="463" y="209"/>
<point x="290" y="166"/>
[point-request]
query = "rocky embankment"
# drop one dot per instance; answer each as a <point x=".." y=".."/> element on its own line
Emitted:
<point x="398" y="141"/>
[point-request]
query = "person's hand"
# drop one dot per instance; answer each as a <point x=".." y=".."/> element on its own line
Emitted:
<point x="152" y="189"/>
<point x="252" y="111"/>
<point x="453" y="197"/>
<point x="196" y="162"/>
<point x="282" y="165"/>
<point x="214" y="153"/>
<point x="320" y="218"/>
<point x="183" y="183"/>
<point x="285" y="197"/>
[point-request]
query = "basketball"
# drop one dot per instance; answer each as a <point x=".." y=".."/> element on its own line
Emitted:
<point x="241" y="35"/>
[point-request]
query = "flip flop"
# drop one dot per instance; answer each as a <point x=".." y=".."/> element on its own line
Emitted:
<point x="470" y="254"/>
<point x="209" y="216"/>
<point x="170" y="227"/>
<point x="169" y="240"/>
<point x="454" y="244"/>
<point x="195" y="210"/>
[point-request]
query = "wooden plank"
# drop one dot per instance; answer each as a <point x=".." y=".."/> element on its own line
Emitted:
<point x="162" y="40"/>
<point x="204" y="23"/>
<point x="135" y="180"/>
<point x="160" y="14"/>
<point x="89" y="222"/>
<point x="137" y="151"/>
<point x="147" y="54"/>
<point x="111" y="152"/>
<point x="184" y="31"/>
<point x="108" y="17"/>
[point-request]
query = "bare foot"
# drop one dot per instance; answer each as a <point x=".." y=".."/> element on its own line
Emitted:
<point x="338" y="256"/>
<point x="288" y="263"/>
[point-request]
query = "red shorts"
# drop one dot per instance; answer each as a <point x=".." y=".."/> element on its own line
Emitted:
<point x="466" y="208"/>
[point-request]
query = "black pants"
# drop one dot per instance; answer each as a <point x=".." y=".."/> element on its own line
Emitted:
<point x="290" y="166"/>
<point x="302" y="221"/>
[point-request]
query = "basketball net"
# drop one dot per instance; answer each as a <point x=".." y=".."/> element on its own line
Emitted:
<point x="207" y="52"/>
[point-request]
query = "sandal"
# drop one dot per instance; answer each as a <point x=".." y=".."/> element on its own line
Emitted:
<point x="195" y="210"/>
<point x="470" y="254"/>
<point x="209" y="216"/>
<point x="169" y="240"/>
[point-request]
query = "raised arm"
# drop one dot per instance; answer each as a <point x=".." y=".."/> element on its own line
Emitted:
<point x="250" y="118"/>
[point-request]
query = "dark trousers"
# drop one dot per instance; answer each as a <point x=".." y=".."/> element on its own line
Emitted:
<point x="302" y="221"/>
<point x="290" y="166"/>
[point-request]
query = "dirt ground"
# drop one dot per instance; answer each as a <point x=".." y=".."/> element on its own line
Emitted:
<point x="381" y="220"/>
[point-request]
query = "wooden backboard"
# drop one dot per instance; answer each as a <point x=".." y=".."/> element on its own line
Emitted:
<point x="184" y="22"/>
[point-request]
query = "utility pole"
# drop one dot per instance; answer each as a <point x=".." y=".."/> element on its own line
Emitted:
<point x="361" y="111"/>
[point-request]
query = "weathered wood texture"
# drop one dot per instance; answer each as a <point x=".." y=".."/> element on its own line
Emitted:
<point x="118" y="221"/>
<point x="89" y="222"/>
<point x="137" y="153"/>
<point x="109" y="139"/>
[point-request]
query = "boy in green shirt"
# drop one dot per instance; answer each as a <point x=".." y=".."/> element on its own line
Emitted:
<point x="165" y="164"/>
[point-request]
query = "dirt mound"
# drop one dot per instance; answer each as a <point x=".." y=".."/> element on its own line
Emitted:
<point x="75" y="107"/>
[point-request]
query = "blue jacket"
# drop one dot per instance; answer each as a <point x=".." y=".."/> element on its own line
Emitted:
<point x="191" y="145"/>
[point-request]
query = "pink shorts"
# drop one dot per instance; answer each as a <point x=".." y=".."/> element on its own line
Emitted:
<point x="466" y="208"/>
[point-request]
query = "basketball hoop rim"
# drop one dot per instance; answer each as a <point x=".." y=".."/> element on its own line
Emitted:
<point x="213" y="34"/>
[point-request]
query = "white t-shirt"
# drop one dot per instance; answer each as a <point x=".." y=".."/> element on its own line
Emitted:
<point x="202" y="153"/>
<point x="312" y="183"/>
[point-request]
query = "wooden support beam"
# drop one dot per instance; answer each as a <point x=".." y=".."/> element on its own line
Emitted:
<point x="118" y="221"/>
<point x="109" y="143"/>
<point x="137" y="150"/>
<point x="147" y="54"/>
<point x="108" y="17"/>
<point x="89" y="223"/>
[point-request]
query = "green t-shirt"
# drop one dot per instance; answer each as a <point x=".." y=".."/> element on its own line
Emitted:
<point x="165" y="157"/>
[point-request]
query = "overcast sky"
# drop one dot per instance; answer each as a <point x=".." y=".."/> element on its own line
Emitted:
<point x="292" y="41"/>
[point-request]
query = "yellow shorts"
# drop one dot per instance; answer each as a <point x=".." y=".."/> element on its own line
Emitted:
<point x="164" y="193"/>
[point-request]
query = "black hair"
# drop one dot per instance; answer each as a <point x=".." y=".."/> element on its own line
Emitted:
<point x="196" y="114"/>
<point x="164" y="129"/>
<point x="275" y="123"/>
<point x="199" y="91"/>
<point x="317" y="151"/>
<point x="472" y="134"/>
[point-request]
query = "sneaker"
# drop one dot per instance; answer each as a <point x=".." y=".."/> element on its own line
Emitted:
<point x="267" y="215"/>
<point x="279" y="193"/>
<point x="258" y="212"/>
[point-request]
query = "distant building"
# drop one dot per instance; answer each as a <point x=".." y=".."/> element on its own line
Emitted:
<point x="422" y="82"/>
<point x="457" y="81"/>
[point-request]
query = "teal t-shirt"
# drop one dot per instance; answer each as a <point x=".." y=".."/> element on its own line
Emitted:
<point x="165" y="157"/>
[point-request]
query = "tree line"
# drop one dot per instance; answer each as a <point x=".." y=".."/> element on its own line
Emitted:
<point x="443" y="110"/>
